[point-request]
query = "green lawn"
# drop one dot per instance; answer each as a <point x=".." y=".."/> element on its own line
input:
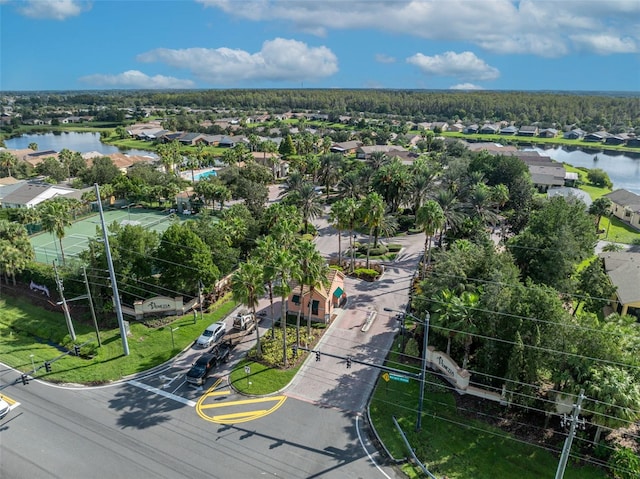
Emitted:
<point x="457" y="446"/>
<point x="27" y="330"/>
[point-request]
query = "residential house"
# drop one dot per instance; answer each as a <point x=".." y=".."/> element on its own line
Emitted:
<point x="322" y="302"/>
<point x="123" y="161"/>
<point x="545" y="172"/>
<point x="509" y="130"/>
<point x="273" y="161"/>
<point x="346" y="147"/>
<point x="471" y="129"/>
<point x="619" y="139"/>
<point x="493" y="148"/>
<point x="440" y="126"/>
<point x="190" y="138"/>
<point x="31" y="194"/>
<point x="596" y="137"/>
<point x="8" y="185"/>
<point x="623" y="270"/>
<point x="365" y="152"/>
<point x="456" y="127"/>
<point x="227" y="142"/>
<point x="548" y="133"/>
<point x="528" y="130"/>
<point x="575" y="134"/>
<point x="489" y="129"/>
<point x="36" y="157"/>
<point x="634" y="142"/>
<point x="625" y="205"/>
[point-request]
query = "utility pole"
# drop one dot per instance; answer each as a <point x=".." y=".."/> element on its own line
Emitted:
<point x="65" y="307"/>
<point x="93" y="311"/>
<point x="425" y="342"/>
<point x="112" y="275"/>
<point x="564" y="457"/>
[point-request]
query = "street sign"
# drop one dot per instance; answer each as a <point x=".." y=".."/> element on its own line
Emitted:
<point x="385" y="376"/>
<point x="247" y="369"/>
<point x="396" y="377"/>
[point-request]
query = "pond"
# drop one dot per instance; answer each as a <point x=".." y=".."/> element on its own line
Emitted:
<point x="623" y="169"/>
<point x="82" y="142"/>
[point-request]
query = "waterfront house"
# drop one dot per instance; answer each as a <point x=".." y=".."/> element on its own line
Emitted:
<point x="575" y="134"/>
<point x="489" y="129"/>
<point x="625" y="206"/>
<point x="528" y="130"/>
<point x="548" y="133"/>
<point x="509" y="130"/>
<point x="596" y="136"/>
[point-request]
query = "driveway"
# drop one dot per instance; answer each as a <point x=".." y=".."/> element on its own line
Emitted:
<point x="328" y="382"/>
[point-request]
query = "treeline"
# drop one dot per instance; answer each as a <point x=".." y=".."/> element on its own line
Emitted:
<point x="522" y="108"/>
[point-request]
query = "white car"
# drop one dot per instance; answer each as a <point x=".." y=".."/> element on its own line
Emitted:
<point x="4" y="408"/>
<point x="211" y="335"/>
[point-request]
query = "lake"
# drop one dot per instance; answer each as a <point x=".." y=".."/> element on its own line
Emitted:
<point x="72" y="140"/>
<point x="623" y="169"/>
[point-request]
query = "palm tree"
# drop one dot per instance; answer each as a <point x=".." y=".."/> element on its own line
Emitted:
<point x="170" y="155"/>
<point x="339" y="220"/>
<point x="451" y="208"/>
<point x="377" y="159"/>
<point x="430" y="218"/>
<point x="55" y="217"/>
<point x="479" y="205"/>
<point x="266" y="250"/>
<point x="599" y="208"/>
<point x="307" y="257"/>
<point x="308" y="203"/>
<point x="286" y="269"/>
<point x="247" y="287"/>
<point x="351" y="185"/>
<point x="33" y="146"/>
<point x="293" y="184"/>
<point x="317" y="274"/>
<point x="7" y="160"/>
<point x="351" y="217"/>
<point x="15" y="249"/>
<point x="373" y="213"/>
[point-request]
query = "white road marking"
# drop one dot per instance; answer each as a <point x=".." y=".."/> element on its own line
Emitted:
<point x="367" y="451"/>
<point x="160" y="392"/>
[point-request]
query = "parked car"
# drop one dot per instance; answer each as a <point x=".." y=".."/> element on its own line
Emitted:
<point x="212" y="335"/>
<point x="244" y="322"/>
<point x="4" y="408"/>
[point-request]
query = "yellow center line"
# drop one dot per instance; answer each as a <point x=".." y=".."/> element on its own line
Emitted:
<point x="240" y="415"/>
<point x="224" y="392"/>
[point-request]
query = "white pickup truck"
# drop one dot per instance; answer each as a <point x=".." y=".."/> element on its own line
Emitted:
<point x="244" y="322"/>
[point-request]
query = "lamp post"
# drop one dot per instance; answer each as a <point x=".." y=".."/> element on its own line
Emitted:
<point x="425" y="342"/>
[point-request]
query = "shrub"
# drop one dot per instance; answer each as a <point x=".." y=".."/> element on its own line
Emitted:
<point x="394" y="247"/>
<point x="624" y="463"/>
<point x="406" y="222"/>
<point x="366" y="274"/>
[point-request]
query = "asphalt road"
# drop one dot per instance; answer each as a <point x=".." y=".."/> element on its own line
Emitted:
<point x="156" y="425"/>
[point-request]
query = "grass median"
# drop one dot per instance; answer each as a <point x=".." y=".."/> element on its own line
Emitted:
<point x="30" y="335"/>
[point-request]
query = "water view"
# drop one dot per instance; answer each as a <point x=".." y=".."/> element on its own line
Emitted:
<point x="72" y="140"/>
<point x="623" y="169"/>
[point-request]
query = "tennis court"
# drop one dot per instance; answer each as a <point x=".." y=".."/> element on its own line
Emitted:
<point x="47" y="247"/>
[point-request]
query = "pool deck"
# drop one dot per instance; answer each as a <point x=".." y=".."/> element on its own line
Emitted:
<point x="186" y="174"/>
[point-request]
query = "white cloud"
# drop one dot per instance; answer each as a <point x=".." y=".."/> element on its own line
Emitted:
<point x="279" y="60"/>
<point x="137" y="79"/>
<point x="382" y="58"/>
<point x="544" y="28"/>
<point x="606" y="44"/>
<point x="463" y="65"/>
<point x="465" y="86"/>
<point x="53" y="9"/>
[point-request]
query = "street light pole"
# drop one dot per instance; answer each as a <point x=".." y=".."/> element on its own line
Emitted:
<point x="425" y="342"/>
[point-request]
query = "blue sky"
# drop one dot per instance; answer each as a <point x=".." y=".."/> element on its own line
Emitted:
<point x="584" y="45"/>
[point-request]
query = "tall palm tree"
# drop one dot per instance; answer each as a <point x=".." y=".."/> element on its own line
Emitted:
<point x="293" y="184"/>
<point x="373" y="213"/>
<point x="430" y="219"/>
<point x="247" y="287"/>
<point x="352" y="214"/>
<point x="307" y="257"/>
<point x="266" y="251"/>
<point x="55" y="217"/>
<point x="451" y="208"/>
<point x="317" y="274"/>
<point x="286" y="269"/>
<point x="377" y="159"/>
<point x="339" y="220"/>
<point x="480" y="205"/>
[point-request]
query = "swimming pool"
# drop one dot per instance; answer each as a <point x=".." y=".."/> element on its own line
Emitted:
<point x="205" y="175"/>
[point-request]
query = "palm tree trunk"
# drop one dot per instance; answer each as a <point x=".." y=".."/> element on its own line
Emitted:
<point x="64" y="261"/>
<point x="273" y="322"/>
<point x="298" y="317"/>
<point x="369" y="246"/>
<point x="258" y="347"/>
<point x="340" y="247"/>
<point x="309" y="316"/>
<point x="283" y="321"/>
